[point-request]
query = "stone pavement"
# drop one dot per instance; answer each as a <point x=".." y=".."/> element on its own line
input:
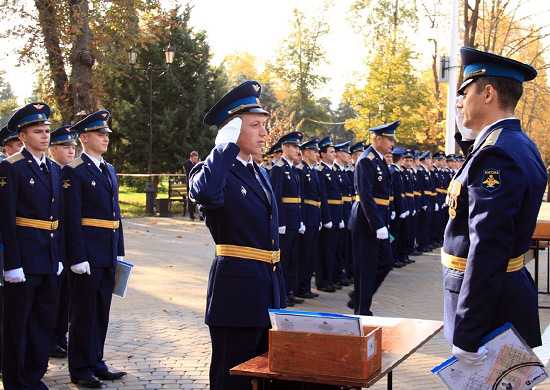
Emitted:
<point x="157" y="332"/>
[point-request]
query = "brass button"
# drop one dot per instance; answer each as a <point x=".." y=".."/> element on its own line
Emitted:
<point x="53" y="200"/>
<point x="51" y="217"/>
<point x="51" y="235"/>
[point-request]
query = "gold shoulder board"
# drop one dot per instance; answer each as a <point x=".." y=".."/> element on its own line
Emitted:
<point x="15" y="157"/>
<point x="492" y="138"/>
<point x="77" y="162"/>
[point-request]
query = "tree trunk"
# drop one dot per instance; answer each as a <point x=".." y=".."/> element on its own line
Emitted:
<point x="82" y="59"/>
<point x="470" y="29"/>
<point x="50" y="30"/>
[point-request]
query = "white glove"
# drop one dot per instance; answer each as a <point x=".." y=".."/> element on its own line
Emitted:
<point x="302" y="228"/>
<point x="392" y="215"/>
<point x="382" y="233"/>
<point x="120" y="258"/>
<point x="320" y="225"/>
<point x="328" y="225"/>
<point x="474" y="358"/>
<point x="59" y="268"/>
<point x="404" y="214"/>
<point x="424" y="208"/>
<point x="14" y="275"/>
<point x="230" y="132"/>
<point x="282" y="229"/>
<point x="436" y="207"/>
<point x="341" y="225"/>
<point x="414" y="213"/>
<point x="81" y="268"/>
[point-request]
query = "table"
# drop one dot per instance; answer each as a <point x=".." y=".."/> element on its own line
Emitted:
<point x="401" y="337"/>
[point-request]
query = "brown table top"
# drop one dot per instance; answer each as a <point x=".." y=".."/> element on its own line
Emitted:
<point x="542" y="229"/>
<point x="401" y="337"/>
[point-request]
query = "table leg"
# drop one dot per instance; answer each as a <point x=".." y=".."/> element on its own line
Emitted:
<point x="390" y="380"/>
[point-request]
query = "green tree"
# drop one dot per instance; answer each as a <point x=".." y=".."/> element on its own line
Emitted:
<point x="8" y="101"/>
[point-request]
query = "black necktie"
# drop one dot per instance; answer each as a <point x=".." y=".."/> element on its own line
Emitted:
<point x="105" y="172"/>
<point x="251" y="169"/>
<point x="44" y="168"/>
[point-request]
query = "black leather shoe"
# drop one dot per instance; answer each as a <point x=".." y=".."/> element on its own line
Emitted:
<point x="408" y="260"/>
<point x="398" y="264"/>
<point x="296" y="300"/>
<point x="351" y="304"/>
<point x="416" y="253"/>
<point x="326" y="289"/>
<point x="58" y="352"/>
<point x="306" y="295"/>
<point x="110" y="375"/>
<point x="89" y="383"/>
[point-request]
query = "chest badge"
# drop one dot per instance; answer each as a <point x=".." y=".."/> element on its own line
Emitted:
<point x="3" y="181"/>
<point x="452" y="197"/>
<point x="66" y="183"/>
<point x="31" y="182"/>
<point x="93" y="183"/>
<point x="243" y="191"/>
<point x="379" y="178"/>
<point x="491" y="180"/>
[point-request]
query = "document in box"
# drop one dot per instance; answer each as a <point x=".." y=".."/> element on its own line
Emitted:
<point x="122" y="275"/>
<point x="311" y="322"/>
<point x="510" y="365"/>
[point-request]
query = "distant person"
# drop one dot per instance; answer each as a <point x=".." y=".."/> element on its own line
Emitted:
<point x="188" y="165"/>
<point x="10" y="141"/>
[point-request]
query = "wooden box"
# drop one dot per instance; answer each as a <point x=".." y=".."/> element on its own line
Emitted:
<point x="354" y="357"/>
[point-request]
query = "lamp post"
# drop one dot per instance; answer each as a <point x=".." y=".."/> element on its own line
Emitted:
<point x="149" y="70"/>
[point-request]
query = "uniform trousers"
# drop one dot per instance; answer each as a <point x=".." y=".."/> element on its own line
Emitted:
<point x="62" y="322"/>
<point x="309" y="249"/>
<point x="90" y="301"/>
<point x="290" y="254"/>
<point x="374" y="261"/>
<point x="31" y="308"/>
<point x="324" y="276"/>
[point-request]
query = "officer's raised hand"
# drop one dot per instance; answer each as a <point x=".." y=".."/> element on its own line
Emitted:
<point x="230" y="132"/>
<point x="81" y="268"/>
<point x="14" y="275"/>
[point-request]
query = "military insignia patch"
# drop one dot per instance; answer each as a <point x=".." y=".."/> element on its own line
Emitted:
<point x="38" y="106"/>
<point x="31" y="182"/>
<point x="243" y="191"/>
<point x="66" y="183"/>
<point x="491" y="180"/>
<point x="3" y="181"/>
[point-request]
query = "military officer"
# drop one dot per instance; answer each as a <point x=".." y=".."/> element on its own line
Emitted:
<point x="370" y="216"/>
<point x="238" y="201"/>
<point x="312" y="200"/>
<point x="94" y="243"/>
<point x="10" y="141"/>
<point x="62" y="152"/>
<point x="426" y="202"/>
<point x="493" y="200"/>
<point x="285" y="179"/>
<point x="356" y="150"/>
<point x="325" y="278"/>
<point x="406" y="242"/>
<point x="30" y="219"/>
<point x="343" y="269"/>
<point x="399" y="211"/>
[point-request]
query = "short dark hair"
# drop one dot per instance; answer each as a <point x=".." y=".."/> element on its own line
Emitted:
<point x="509" y="91"/>
<point x="396" y="158"/>
<point x="194" y="153"/>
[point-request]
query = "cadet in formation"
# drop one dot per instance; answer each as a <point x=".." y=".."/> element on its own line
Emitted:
<point x="493" y="201"/>
<point x="94" y="242"/>
<point x="30" y="220"/>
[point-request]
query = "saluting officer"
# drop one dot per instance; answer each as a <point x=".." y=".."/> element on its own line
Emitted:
<point x="285" y="179"/>
<point x="370" y="216"/>
<point x="494" y="200"/>
<point x="94" y="243"/>
<point x="324" y="277"/>
<point x="30" y="218"/>
<point x="62" y="152"/>
<point x="312" y="199"/>
<point x="241" y="213"/>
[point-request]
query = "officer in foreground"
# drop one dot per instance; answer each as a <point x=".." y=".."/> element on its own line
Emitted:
<point x="240" y="211"/>
<point x="30" y="220"/>
<point x="62" y="152"/>
<point x="493" y="200"/>
<point x="94" y="243"/>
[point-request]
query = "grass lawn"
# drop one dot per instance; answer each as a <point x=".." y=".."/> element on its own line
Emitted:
<point x="132" y="203"/>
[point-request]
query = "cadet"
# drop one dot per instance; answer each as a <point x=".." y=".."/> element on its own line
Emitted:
<point x="10" y="141"/>
<point x="94" y="243"/>
<point x="370" y="216"/>
<point x="330" y="187"/>
<point x="343" y="271"/>
<point x="423" y="235"/>
<point x="312" y="199"/>
<point x="285" y="179"/>
<point x="62" y="152"/>
<point x="241" y="213"/>
<point x="30" y="217"/>
<point x="400" y="210"/>
<point x="406" y="243"/>
<point x="493" y="200"/>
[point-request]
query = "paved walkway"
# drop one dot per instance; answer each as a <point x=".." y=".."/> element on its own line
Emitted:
<point x="157" y="332"/>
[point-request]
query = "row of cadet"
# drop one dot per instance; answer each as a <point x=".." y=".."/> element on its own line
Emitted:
<point x="61" y="237"/>
<point x="315" y="187"/>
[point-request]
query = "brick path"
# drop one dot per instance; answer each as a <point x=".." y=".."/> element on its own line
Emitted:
<point x="157" y="332"/>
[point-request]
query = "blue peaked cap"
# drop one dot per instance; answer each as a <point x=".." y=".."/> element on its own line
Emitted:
<point x="6" y="135"/>
<point x="357" y="147"/>
<point x="343" y="147"/>
<point x="387" y="129"/>
<point x="97" y="121"/>
<point x="291" y="138"/>
<point x="275" y="148"/>
<point x="425" y="155"/>
<point x="479" y="63"/>
<point x="62" y="136"/>
<point x="398" y="151"/>
<point x="241" y="99"/>
<point x="326" y="142"/>
<point x="312" y="144"/>
<point x="28" y="115"/>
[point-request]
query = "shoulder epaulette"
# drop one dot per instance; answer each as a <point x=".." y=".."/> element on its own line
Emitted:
<point x="299" y="166"/>
<point x="319" y="167"/>
<point x="371" y="156"/>
<point x="279" y="163"/>
<point x="77" y="162"/>
<point x="15" y="157"/>
<point x="492" y="138"/>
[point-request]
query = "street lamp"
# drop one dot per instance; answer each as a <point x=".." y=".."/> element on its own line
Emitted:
<point x="150" y="70"/>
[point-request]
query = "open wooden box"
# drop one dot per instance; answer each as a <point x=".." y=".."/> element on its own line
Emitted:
<point x="354" y="357"/>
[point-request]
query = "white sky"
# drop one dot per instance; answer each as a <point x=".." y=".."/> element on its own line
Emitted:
<point x="259" y="27"/>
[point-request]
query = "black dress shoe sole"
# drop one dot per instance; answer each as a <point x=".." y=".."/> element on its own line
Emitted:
<point x="88" y="383"/>
<point x="111" y="376"/>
